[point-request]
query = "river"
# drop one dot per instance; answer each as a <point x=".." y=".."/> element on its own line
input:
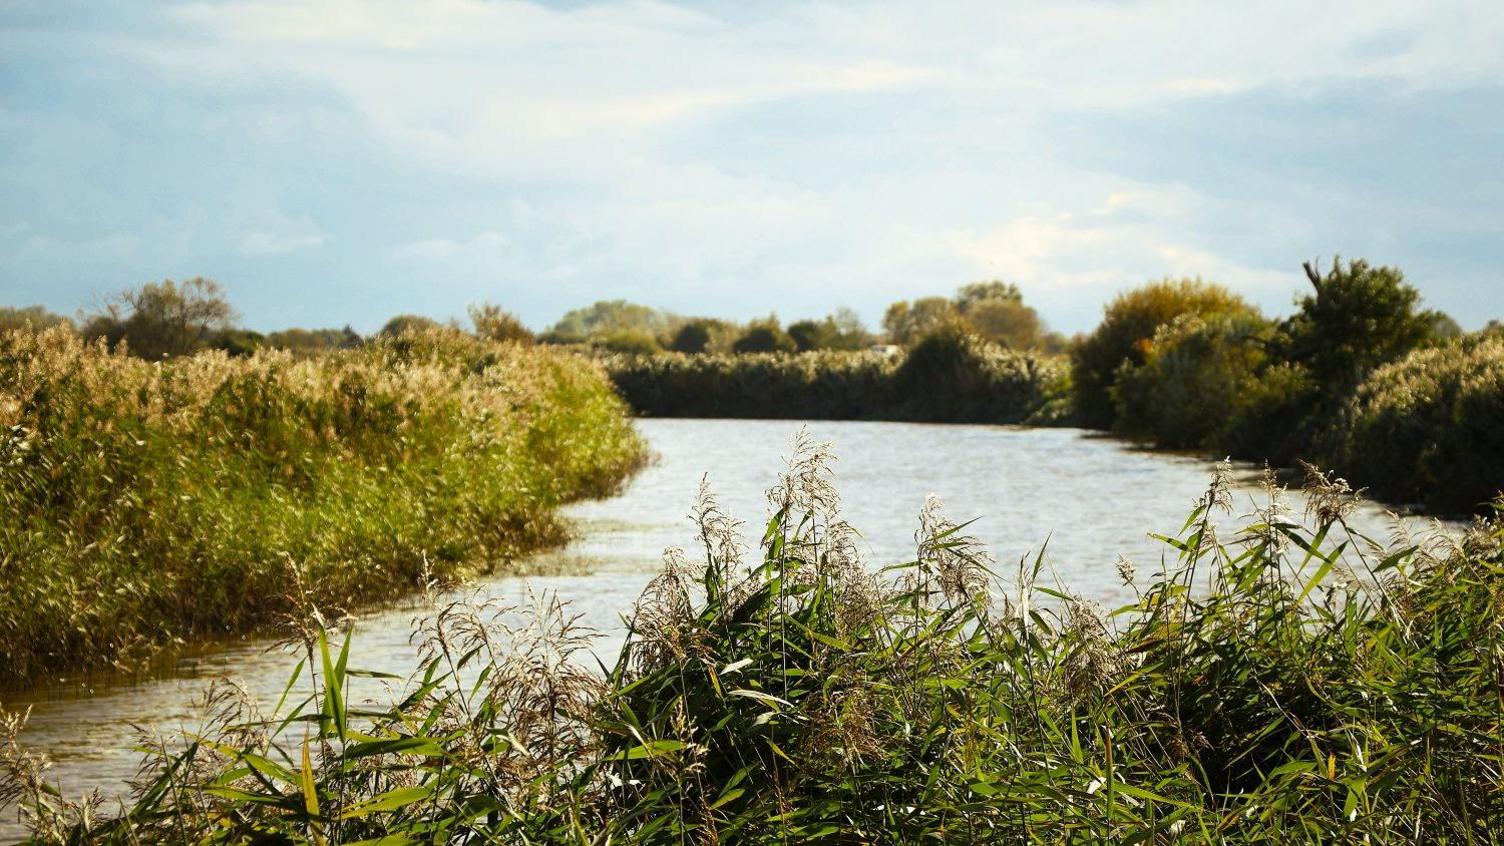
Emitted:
<point x="1093" y="498"/>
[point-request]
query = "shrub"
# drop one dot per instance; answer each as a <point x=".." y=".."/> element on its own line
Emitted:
<point x="1429" y="428"/>
<point x="405" y="323"/>
<point x="206" y="495"/>
<point x="970" y="382"/>
<point x="952" y="375"/>
<point x="692" y="337"/>
<point x="764" y="337"/>
<point x="1196" y="374"/>
<point x="1125" y="334"/>
<point x="494" y="324"/>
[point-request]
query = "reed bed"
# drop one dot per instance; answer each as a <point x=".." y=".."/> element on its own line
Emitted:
<point x="949" y="377"/>
<point x="1271" y="685"/>
<point x="151" y="502"/>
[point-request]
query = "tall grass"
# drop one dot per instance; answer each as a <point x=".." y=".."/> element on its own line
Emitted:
<point x="1271" y="685"/>
<point x="148" y="502"/>
<point x="948" y="377"/>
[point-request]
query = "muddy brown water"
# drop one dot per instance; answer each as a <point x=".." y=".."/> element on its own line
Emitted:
<point x="1092" y="498"/>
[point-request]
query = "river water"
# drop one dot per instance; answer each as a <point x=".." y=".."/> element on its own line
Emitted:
<point x="1092" y="498"/>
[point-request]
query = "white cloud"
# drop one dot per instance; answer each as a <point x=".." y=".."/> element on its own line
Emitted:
<point x="719" y="159"/>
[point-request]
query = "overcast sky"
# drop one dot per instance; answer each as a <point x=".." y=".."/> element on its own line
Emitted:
<point x="338" y="162"/>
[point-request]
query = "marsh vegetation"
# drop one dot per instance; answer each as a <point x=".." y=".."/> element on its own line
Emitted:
<point x="150" y="502"/>
<point x="1267" y="685"/>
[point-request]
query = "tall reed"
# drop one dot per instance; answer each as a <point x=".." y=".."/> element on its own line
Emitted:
<point x="1272" y="685"/>
<point x="149" y="502"/>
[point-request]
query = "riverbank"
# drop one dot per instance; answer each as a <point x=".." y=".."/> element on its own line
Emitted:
<point x="150" y="503"/>
<point x="949" y="377"/>
<point x="1422" y="433"/>
<point x="1231" y="699"/>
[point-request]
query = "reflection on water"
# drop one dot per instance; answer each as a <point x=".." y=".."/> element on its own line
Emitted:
<point x="1092" y="498"/>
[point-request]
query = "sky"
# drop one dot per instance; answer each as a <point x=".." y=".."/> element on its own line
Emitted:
<point x="335" y="162"/>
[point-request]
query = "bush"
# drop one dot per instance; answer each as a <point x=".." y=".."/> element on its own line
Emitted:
<point x="494" y="324"/>
<point x="804" y="697"/>
<point x="1429" y="428"/>
<point x="764" y="337"/>
<point x="955" y="380"/>
<point x="147" y="502"/>
<point x="405" y="323"/>
<point x="1125" y="335"/>
<point x="953" y="376"/>
<point x="692" y="337"/>
<point x="1196" y="375"/>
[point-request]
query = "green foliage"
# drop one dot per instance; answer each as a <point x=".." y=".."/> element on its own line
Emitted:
<point x="1276" y="687"/>
<point x="311" y="341"/>
<point x="907" y="322"/>
<point x="604" y="317"/>
<point x="954" y="376"/>
<point x="992" y="290"/>
<point x="1195" y="376"/>
<point x="1125" y="335"/>
<point x="207" y="495"/>
<point x="161" y="319"/>
<point x="842" y="330"/>
<point x="1006" y="322"/>
<point x="31" y="317"/>
<point x="764" y="336"/>
<point x="1358" y="318"/>
<point x="495" y="324"/>
<point x="405" y="323"/>
<point x="951" y="381"/>
<point x="1429" y="428"/>
<point x="627" y="342"/>
<point x="236" y="342"/>
<point x="693" y="337"/>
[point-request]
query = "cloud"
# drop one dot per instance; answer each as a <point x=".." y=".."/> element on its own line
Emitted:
<point x="334" y="160"/>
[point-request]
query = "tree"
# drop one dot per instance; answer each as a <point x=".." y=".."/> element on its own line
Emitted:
<point x="1357" y="318"/>
<point x="1128" y="325"/>
<point x="493" y="323"/>
<point x="161" y="319"/>
<point x="984" y="291"/>
<point x="1196" y="375"/>
<point x="309" y="341"/>
<point x="692" y="337"/>
<point x="30" y="317"/>
<point x="851" y="332"/>
<point x="907" y="322"/>
<point x="814" y="334"/>
<point x="404" y="323"/>
<point x="1007" y="322"/>
<point x="605" y="316"/>
<point x="762" y="337"/>
<point x="237" y="342"/>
